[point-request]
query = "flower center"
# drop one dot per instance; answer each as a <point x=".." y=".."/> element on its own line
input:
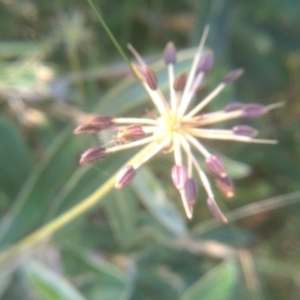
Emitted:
<point x="172" y="122"/>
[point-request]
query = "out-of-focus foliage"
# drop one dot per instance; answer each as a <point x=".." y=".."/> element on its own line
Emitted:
<point x="57" y="63"/>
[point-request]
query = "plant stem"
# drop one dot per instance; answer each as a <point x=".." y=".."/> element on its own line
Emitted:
<point x="117" y="45"/>
<point x="46" y="231"/>
<point x="109" y="33"/>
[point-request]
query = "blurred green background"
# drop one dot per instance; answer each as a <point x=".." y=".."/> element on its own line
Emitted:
<point x="56" y="63"/>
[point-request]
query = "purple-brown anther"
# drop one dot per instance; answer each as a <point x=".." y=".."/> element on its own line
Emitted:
<point x="134" y="132"/>
<point x="191" y="190"/>
<point x="225" y="185"/>
<point x="96" y="124"/>
<point x="233" y="106"/>
<point x="180" y="82"/>
<point x="233" y="75"/>
<point x="93" y="155"/>
<point x="101" y="122"/>
<point x="179" y="176"/>
<point x="151" y="78"/>
<point x="206" y="62"/>
<point x="170" y="54"/>
<point x="215" y="210"/>
<point x="85" y="129"/>
<point x="253" y="111"/>
<point x="124" y="177"/>
<point x="216" y="166"/>
<point x="189" y="195"/>
<point x="244" y="130"/>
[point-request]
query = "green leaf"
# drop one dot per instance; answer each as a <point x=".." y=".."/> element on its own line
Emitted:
<point x="15" y="159"/>
<point x="233" y="235"/>
<point x="110" y="281"/>
<point x="49" y="285"/>
<point x="39" y="189"/>
<point x="219" y="284"/>
<point x="6" y="275"/>
<point x="104" y="269"/>
<point x="11" y="49"/>
<point x="235" y="169"/>
<point x="269" y="266"/>
<point x="84" y="181"/>
<point x="122" y="212"/>
<point x="157" y="281"/>
<point x="153" y="196"/>
<point x="150" y="229"/>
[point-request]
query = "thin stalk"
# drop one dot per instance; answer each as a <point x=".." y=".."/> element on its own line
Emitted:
<point x="117" y="45"/>
<point x="109" y="33"/>
<point x="49" y="229"/>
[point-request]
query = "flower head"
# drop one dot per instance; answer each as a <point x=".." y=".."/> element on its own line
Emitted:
<point x="179" y="127"/>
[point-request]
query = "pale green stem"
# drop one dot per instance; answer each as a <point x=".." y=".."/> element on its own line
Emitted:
<point x="109" y="33"/>
<point x="49" y="229"/>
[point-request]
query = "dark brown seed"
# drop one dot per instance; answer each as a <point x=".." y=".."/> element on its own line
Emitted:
<point x="216" y="166"/>
<point x="191" y="190"/>
<point x="151" y="79"/>
<point x="206" y="63"/>
<point x="244" y="130"/>
<point x="101" y="122"/>
<point x="233" y="75"/>
<point x="93" y="155"/>
<point x="96" y="124"/>
<point x="85" y="129"/>
<point x="225" y="185"/>
<point x="170" y="54"/>
<point x="124" y="177"/>
<point x="180" y="82"/>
